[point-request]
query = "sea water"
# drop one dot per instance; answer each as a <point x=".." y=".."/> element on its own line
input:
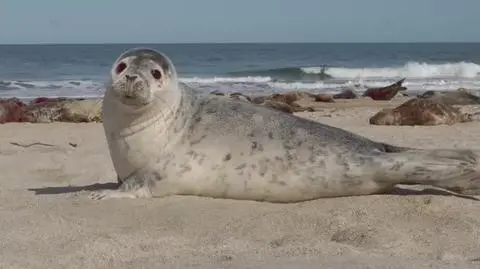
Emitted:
<point x="28" y="71"/>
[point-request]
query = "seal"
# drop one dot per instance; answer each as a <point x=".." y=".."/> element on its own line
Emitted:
<point x="387" y="92"/>
<point x="167" y="139"/>
<point x="459" y="97"/>
<point x="418" y="111"/>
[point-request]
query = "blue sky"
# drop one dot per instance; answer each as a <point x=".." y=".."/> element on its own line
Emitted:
<point x="159" y="21"/>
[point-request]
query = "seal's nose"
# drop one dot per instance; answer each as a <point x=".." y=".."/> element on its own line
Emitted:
<point x="130" y="78"/>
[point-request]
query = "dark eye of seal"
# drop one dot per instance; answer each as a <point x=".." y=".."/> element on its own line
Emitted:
<point x="156" y="74"/>
<point x="120" y="67"/>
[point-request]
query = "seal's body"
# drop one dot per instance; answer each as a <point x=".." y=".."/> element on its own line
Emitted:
<point x="165" y="139"/>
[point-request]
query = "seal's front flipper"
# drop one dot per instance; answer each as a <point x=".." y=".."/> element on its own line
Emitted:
<point x="135" y="186"/>
<point x="456" y="170"/>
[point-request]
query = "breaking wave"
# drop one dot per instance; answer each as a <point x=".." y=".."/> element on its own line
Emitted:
<point x="419" y="76"/>
<point x="66" y="88"/>
<point x="288" y="73"/>
<point x="409" y="70"/>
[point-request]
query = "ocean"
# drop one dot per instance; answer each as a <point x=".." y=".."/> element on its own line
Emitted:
<point x="28" y="71"/>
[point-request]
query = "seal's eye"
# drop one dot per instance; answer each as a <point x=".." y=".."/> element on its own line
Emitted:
<point x="156" y="74"/>
<point x="120" y="67"/>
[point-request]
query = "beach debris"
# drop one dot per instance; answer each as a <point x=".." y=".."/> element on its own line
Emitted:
<point x="458" y="97"/>
<point x="240" y="96"/>
<point x="31" y="144"/>
<point x="324" y="97"/>
<point x="234" y="95"/>
<point x="419" y="111"/>
<point x="89" y="110"/>
<point x="345" y="94"/>
<point x="47" y="110"/>
<point x="385" y="93"/>
<point x="44" y="110"/>
<point x="286" y="107"/>
<point x="290" y="98"/>
<point x="289" y="101"/>
<point x="11" y="110"/>
<point x="285" y="102"/>
<point x="74" y="145"/>
<point x="217" y="92"/>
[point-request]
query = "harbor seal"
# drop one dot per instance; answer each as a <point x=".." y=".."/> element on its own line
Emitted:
<point x="417" y="111"/>
<point x="166" y="139"/>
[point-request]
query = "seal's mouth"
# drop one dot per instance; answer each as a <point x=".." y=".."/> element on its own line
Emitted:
<point x="128" y="96"/>
<point x="132" y="90"/>
<point x="134" y="97"/>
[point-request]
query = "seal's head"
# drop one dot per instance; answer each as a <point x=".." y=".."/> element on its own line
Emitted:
<point x="139" y="74"/>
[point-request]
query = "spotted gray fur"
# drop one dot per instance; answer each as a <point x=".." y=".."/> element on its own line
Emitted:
<point x="216" y="146"/>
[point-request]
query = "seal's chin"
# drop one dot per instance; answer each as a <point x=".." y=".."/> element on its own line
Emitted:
<point x="135" y="100"/>
<point x="134" y="95"/>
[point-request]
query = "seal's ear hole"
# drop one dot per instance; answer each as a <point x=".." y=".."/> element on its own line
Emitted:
<point x="120" y="67"/>
<point x="156" y="74"/>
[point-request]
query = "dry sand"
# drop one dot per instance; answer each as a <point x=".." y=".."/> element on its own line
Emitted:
<point x="45" y="224"/>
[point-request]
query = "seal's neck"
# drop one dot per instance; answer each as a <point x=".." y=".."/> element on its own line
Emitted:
<point x="129" y="120"/>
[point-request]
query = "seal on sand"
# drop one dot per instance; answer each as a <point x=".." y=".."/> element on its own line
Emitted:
<point x="166" y="139"/>
<point x="418" y="111"/>
<point x="458" y="97"/>
<point x="387" y="92"/>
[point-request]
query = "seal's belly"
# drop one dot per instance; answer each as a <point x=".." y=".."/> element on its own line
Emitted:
<point x="261" y="171"/>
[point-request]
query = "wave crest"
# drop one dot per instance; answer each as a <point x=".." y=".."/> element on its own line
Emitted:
<point x="288" y="73"/>
<point x="65" y="88"/>
<point x="248" y="79"/>
<point x="420" y="76"/>
<point x="412" y="70"/>
<point x="409" y="70"/>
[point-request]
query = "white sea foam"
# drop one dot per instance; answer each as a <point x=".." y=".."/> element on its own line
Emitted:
<point x="226" y="80"/>
<point x="49" y="84"/>
<point x="420" y="77"/>
<point x="409" y="70"/>
<point x="301" y="85"/>
<point x="65" y="88"/>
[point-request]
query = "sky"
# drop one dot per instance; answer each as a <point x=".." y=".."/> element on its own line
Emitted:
<point x="213" y="21"/>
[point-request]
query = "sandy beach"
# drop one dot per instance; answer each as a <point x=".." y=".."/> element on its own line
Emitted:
<point x="47" y="224"/>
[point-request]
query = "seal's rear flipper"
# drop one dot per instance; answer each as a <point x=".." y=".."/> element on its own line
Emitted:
<point x="452" y="169"/>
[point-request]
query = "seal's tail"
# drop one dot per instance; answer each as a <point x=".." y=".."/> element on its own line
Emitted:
<point x="452" y="169"/>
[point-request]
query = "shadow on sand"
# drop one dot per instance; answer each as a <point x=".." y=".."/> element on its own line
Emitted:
<point x="106" y="186"/>
<point x="72" y="189"/>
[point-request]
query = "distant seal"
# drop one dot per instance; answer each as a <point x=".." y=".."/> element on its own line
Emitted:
<point x="387" y="92"/>
<point x="167" y="139"/>
<point x="418" y="111"/>
<point x="459" y="97"/>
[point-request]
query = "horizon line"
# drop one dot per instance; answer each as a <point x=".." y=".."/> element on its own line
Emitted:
<point x="233" y="43"/>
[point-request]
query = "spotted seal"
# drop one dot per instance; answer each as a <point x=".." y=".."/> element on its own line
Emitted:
<point x="166" y="139"/>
